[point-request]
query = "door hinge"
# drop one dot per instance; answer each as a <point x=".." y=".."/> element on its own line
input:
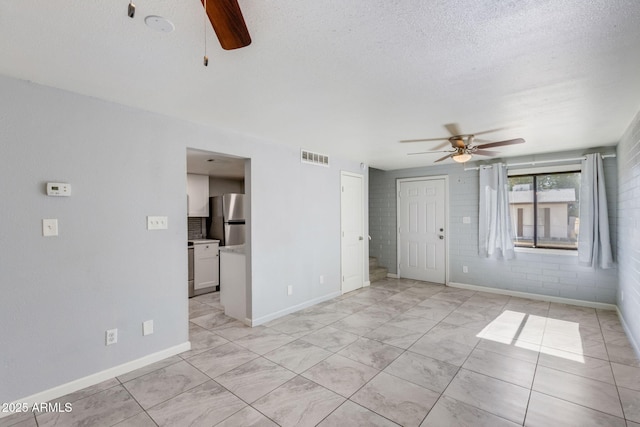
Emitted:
<point x="343" y="278"/>
<point x="343" y="188"/>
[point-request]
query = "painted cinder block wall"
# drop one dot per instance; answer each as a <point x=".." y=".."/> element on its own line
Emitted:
<point x="542" y="274"/>
<point x="628" y="297"/>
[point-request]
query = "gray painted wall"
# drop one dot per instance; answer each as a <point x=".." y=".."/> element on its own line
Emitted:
<point x="544" y="274"/>
<point x="629" y="229"/>
<point x="105" y="270"/>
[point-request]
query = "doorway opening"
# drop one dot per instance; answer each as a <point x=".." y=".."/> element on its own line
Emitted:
<point x="211" y="177"/>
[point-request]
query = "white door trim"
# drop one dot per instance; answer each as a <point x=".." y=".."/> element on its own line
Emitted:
<point x="446" y="219"/>
<point x="365" y="259"/>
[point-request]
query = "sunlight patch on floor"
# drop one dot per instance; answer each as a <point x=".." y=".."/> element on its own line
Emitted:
<point x="559" y="338"/>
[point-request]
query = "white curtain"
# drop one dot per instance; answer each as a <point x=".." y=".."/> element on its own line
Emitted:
<point x="495" y="233"/>
<point x="593" y="239"/>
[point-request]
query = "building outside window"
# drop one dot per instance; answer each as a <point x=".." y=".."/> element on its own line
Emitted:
<point x="545" y="209"/>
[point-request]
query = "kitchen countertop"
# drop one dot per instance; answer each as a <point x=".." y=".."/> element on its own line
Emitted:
<point x="236" y="249"/>
<point x="202" y="241"/>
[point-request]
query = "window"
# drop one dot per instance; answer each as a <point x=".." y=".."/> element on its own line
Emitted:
<point x="545" y="209"/>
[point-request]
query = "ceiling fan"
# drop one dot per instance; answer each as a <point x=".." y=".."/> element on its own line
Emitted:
<point x="228" y="23"/>
<point x="464" y="144"/>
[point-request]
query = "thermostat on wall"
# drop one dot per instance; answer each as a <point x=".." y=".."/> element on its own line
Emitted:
<point x="58" y="189"/>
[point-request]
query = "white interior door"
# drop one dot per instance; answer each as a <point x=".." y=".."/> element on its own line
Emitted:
<point x="421" y="229"/>
<point x="352" y="228"/>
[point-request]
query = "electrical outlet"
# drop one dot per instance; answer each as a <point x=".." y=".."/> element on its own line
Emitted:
<point x="321" y="280"/>
<point x="465" y="269"/>
<point x="289" y="290"/>
<point x="111" y="336"/>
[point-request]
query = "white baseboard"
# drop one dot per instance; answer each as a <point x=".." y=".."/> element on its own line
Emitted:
<point x="627" y="331"/>
<point x="98" y="377"/>
<point x="392" y="275"/>
<point x="550" y="298"/>
<point x="293" y="309"/>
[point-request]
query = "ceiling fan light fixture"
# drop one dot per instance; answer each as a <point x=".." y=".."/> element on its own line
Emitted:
<point x="461" y="158"/>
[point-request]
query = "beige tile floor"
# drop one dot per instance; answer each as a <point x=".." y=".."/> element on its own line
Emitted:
<point x="400" y="352"/>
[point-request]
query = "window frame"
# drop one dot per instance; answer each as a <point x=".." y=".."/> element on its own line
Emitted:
<point x="534" y="172"/>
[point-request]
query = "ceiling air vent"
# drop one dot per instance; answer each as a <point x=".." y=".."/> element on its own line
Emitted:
<point x="314" y="158"/>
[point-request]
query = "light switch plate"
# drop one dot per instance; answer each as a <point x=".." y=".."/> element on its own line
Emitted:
<point x="49" y="227"/>
<point x="147" y="327"/>
<point x="466" y="220"/>
<point x="157" y="223"/>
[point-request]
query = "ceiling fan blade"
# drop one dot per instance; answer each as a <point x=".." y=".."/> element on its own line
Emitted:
<point x="489" y="131"/>
<point x="501" y="143"/>
<point x="453" y="129"/>
<point x="446" y="138"/>
<point x="444" y="144"/>
<point x="443" y="158"/>
<point x="228" y="23"/>
<point x="428" y="152"/>
<point x="486" y="153"/>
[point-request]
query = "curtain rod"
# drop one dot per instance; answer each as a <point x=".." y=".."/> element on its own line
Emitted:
<point x="538" y="162"/>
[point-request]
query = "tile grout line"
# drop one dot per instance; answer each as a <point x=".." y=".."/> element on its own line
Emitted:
<point x="615" y="381"/>
<point x="442" y="394"/>
<point x="535" y="372"/>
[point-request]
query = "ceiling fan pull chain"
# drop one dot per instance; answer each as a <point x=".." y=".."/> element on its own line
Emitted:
<point x="205" y="60"/>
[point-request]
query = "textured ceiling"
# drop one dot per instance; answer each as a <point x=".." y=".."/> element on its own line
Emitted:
<point x="351" y="78"/>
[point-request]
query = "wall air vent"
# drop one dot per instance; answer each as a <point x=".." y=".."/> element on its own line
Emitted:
<point x="314" y="158"/>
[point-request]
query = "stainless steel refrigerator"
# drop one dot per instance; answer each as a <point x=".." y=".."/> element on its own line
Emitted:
<point x="226" y="220"/>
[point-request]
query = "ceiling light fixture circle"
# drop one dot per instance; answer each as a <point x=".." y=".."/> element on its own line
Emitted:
<point x="461" y="158"/>
<point x="159" y="23"/>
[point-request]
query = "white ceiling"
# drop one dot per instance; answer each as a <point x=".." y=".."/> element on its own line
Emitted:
<point x="351" y="78"/>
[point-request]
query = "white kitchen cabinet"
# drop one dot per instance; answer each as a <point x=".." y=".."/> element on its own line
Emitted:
<point x="206" y="272"/>
<point x="197" y="195"/>
<point x="233" y="282"/>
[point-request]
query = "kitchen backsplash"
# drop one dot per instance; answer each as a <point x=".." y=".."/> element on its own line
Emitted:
<point x="197" y="228"/>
